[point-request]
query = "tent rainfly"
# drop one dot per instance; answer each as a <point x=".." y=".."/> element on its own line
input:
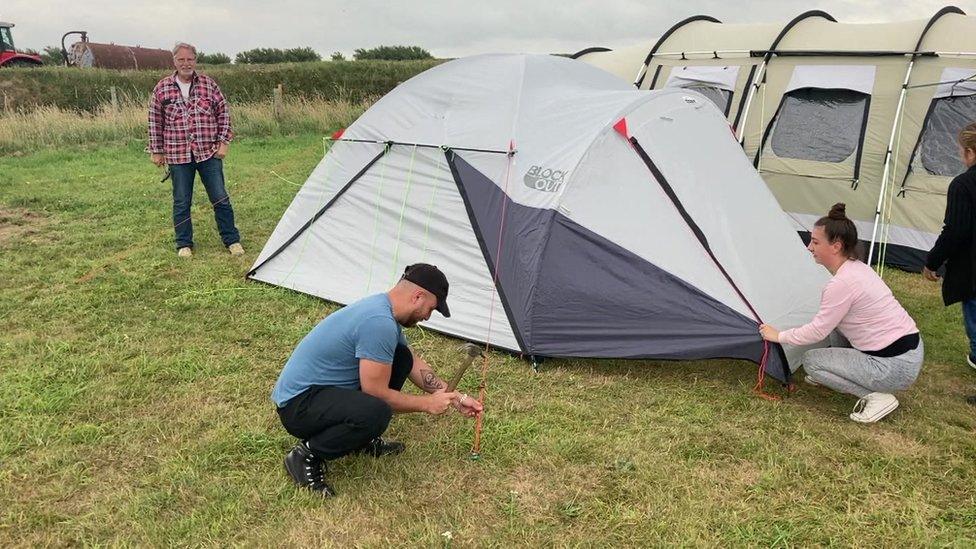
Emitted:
<point x="865" y="114"/>
<point x="573" y="215"/>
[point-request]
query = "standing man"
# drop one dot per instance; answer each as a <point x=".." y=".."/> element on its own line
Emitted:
<point x="189" y="129"/>
<point x="341" y="386"/>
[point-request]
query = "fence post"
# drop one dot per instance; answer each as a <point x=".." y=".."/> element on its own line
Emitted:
<point x="276" y="99"/>
<point x="115" y="99"/>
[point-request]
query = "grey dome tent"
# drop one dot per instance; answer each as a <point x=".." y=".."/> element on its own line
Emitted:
<point x="573" y="215"/>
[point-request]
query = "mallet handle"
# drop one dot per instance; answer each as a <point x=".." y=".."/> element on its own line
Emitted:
<point x="473" y="352"/>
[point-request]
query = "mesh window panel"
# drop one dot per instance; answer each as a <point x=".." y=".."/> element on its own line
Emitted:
<point x="820" y="125"/>
<point x="718" y="96"/>
<point x="937" y="149"/>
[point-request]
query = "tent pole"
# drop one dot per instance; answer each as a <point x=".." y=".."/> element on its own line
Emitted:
<point x="760" y="75"/>
<point x="664" y="37"/>
<point x="710" y="53"/>
<point x="767" y="56"/>
<point x="895" y="125"/>
<point x="640" y="76"/>
<point x="320" y="212"/>
<point x="886" y="174"/>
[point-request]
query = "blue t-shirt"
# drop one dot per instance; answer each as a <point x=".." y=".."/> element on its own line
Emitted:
<point x="330" y="353"/>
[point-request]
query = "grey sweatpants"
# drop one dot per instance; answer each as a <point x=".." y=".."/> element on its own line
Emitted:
<point x="850" y="371"/>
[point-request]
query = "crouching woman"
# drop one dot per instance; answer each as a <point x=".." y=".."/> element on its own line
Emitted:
<point x="875" y="346"/>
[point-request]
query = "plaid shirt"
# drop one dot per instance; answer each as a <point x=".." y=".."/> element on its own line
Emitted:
<point x="179" y="127"/>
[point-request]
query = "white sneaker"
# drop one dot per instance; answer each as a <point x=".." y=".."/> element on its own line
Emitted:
<point x="236" y="249"/>
<point x="971" y="362"/>
<point x="185" y="251"/>
<point x="873" y="407"/>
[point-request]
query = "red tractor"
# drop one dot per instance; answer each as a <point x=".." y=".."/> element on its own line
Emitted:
<point x="10" y="57"/>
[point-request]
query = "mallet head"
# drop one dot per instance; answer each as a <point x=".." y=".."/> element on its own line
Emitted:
<point x="472" y="349"/>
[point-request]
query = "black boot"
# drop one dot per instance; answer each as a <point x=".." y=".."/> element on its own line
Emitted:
<point x="307" y="470"/>
<point x="379" y="447"/>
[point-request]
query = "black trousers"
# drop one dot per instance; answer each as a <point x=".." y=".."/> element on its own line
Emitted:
<point x="335" y="421"/>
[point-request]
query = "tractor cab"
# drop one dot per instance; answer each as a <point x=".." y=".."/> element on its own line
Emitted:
<point x="6" y="39"/>
<point x="9" y="56"/>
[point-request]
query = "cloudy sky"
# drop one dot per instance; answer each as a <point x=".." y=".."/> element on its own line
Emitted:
<point x="446" y="28"/>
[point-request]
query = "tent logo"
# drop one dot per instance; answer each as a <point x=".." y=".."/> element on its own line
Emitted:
<point x="544" y="179"/>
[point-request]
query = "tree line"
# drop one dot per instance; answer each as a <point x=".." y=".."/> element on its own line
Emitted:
<point x="52" y="55"/>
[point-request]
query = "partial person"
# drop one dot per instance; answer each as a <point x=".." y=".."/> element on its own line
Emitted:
<point x="876" y="348"/>
<point x="343" y="383"/>
<point x="955" y="246"/>
<point x="189" y="130"/>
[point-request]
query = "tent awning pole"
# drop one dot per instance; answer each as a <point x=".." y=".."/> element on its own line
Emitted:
<point x="664" y="37"/>
<point x="640" y="76"/>
<point x="760" y="75"/>
<point x="931" y="84"/>
<point x="750" y="94"/>
<point x="808" y="53"/>
<point x="888" y="154"/>
<point x="713" y="53"/>
<point x="844" y="53"/>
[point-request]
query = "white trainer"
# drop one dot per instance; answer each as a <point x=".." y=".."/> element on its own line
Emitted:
<point x="236" y="249"/>
<point x="185" y="251"/>
<point x="873" y="407"/>
<point x="971" y="362"/>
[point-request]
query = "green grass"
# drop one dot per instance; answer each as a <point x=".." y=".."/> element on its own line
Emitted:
<point x="134" y="405"/>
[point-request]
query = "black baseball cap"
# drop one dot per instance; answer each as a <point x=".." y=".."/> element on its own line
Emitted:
<point x="431" y="279"/>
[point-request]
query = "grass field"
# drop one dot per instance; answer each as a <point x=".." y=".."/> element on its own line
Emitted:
<point x="134" y="405"/>
<point x="72" y="88"/>
<point x="47" y="127"/>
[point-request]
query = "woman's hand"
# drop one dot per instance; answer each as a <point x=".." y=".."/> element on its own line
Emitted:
<point x="769" y="333"/>
<point x="930" y="275"/>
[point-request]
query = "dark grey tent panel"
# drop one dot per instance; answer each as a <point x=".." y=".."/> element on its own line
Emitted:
<point x="721" y="98"/>
<point x="551" y="271"/>
<point x="937" y="147"/>
<point x="823" y="125"/>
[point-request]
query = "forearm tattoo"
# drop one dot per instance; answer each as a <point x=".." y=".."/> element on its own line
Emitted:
<point x="431" y="382"/>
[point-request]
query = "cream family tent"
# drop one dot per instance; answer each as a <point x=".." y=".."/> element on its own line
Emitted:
<point x="828" y="112"/>
<point x="573" y="215"/>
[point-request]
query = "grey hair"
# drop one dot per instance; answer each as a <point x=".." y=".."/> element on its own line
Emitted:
<point x="184" y="46"/>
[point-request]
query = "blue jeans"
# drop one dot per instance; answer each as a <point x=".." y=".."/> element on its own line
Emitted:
<point x="212" y="174"/>
<point x="969" y="321"/>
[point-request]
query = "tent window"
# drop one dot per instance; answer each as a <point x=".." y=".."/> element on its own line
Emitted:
<point x="823" y="125"/>
<point x="717" y="95"/>
<point x="937" y="151"/>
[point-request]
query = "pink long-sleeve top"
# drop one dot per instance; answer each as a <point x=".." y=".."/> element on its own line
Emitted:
<point x="861" y="306"/>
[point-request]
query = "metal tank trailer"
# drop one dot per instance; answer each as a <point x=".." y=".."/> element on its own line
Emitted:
<point x="87" y="54"/>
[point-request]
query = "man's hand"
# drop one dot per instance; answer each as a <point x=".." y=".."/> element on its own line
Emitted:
<point x="769" y="333"/>
<point x="439" y="402"/>
<point x="930" y="275"/>
<point x="222" y="148"/>
<point x="158" y="159"/>
<point x="468" y="407"/>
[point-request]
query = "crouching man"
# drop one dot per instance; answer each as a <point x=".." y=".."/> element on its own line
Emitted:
<point x="342" y="384"/>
